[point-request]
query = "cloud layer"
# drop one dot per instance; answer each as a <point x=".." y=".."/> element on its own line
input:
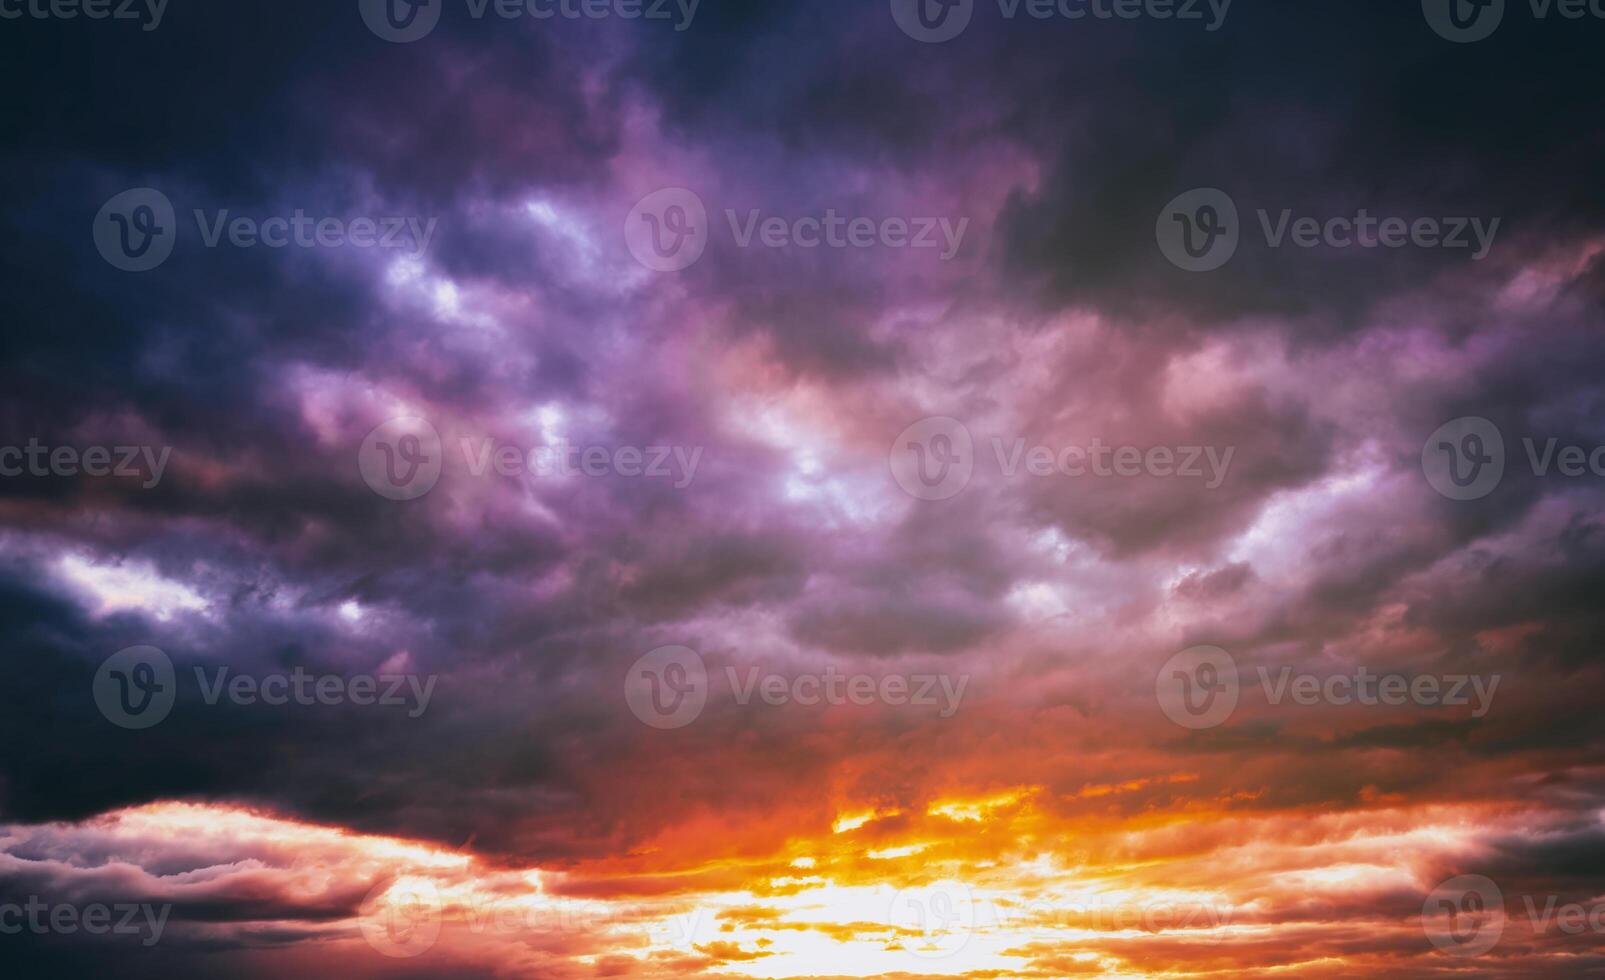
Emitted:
<point x="748" y="498"/>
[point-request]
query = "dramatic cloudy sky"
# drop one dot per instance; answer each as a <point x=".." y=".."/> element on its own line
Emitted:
<point x="1041" y="812"/>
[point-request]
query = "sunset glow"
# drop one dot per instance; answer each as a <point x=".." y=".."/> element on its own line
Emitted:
<point x="802" y="490"/>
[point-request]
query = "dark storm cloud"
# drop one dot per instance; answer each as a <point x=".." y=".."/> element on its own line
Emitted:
<point x="1323" y="110"/>
<point x="529" y="598"/>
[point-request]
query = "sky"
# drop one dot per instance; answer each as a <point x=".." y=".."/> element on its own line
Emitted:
<point x="858" y="488"/>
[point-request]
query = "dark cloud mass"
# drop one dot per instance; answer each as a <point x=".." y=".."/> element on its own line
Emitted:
<point x="750" y="491"/>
